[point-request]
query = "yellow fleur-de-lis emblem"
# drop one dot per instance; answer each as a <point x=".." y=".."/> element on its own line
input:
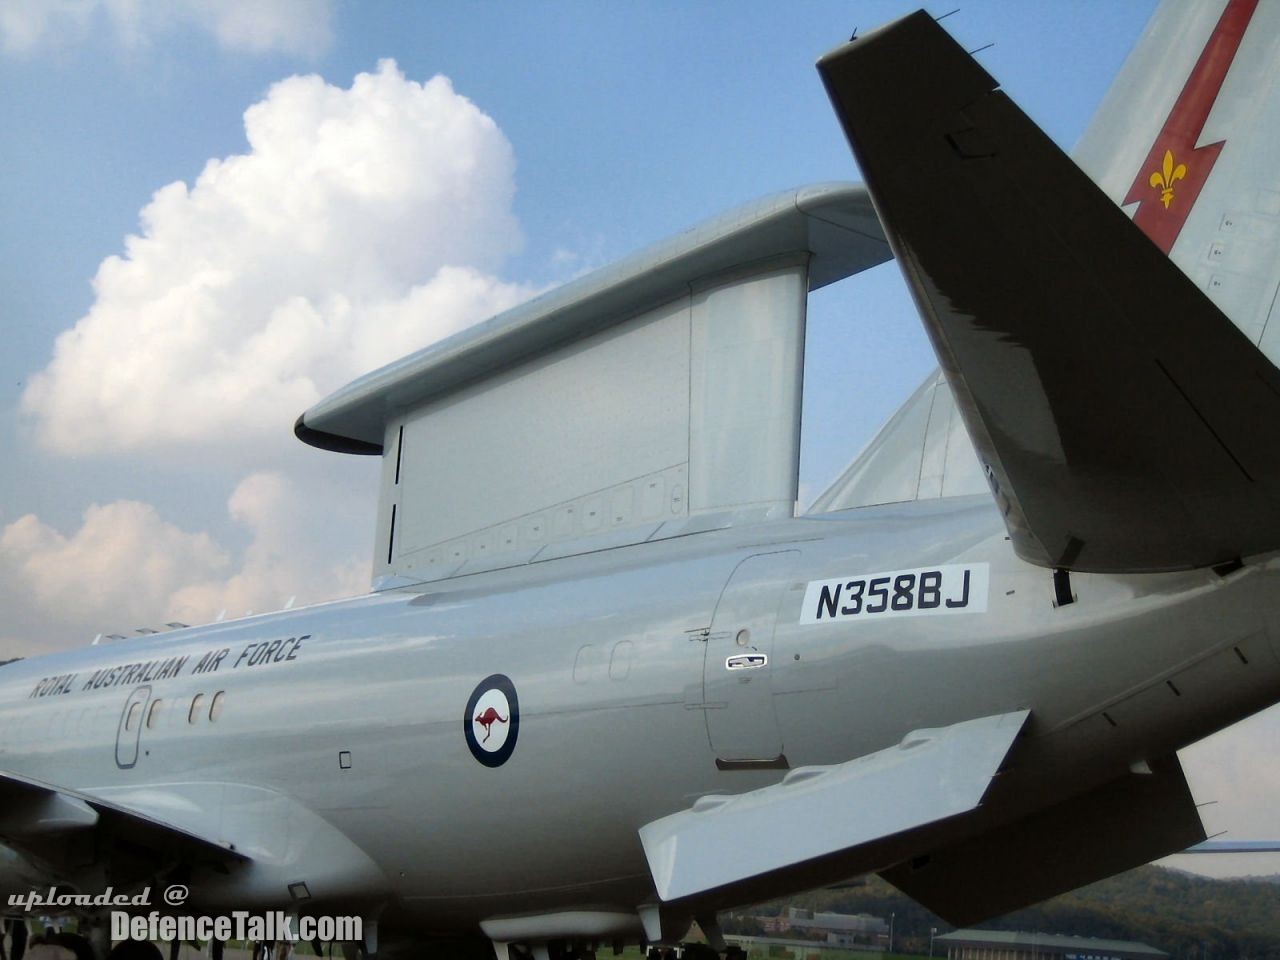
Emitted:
<point x="1166" y="178"/>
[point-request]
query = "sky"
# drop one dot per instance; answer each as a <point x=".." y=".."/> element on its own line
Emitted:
<point x="217" y="213"/>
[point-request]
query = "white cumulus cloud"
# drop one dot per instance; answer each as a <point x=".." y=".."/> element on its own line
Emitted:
<point x="256" y="26"/>
<point x="259" y="26"/>
<point x="127" y="567"/>
<point x="124" y="562"/>
<point x="362" y="223"/>
<point x="285" y="560"/>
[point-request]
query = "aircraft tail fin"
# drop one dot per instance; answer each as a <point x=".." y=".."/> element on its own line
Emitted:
<point x="1123" y="423"/>
<point x="1188" y="141"/>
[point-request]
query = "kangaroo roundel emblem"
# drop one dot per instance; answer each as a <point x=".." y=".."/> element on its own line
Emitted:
<point x="492" y="721"/>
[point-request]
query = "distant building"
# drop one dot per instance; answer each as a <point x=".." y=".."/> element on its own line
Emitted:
<point x="1012" y="945"/>
<point x="841" y="929"/>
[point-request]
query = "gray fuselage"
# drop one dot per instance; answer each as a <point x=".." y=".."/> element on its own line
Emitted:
<point x="339" y="759"/>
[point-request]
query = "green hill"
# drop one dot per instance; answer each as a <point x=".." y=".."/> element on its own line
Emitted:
<point x="1189" y="916"/>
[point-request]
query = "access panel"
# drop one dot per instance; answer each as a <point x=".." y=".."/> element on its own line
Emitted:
<point x="737" y="672"/>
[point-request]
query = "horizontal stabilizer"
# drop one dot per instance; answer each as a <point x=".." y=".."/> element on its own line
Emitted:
<point x="1123" y="422"/>
<point x="816" y="812"/>
<point x="1115" y="827"/>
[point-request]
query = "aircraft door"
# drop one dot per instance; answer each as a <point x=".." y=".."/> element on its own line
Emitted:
<point x="736" y="685"/>
<point x="130" y="729"/>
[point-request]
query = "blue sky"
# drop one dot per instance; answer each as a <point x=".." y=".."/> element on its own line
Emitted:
<point x="129" y="495"/>
<point x="628" y="123"/>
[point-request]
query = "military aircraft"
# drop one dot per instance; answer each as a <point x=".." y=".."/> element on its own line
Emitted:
<point x="608" y="682"/>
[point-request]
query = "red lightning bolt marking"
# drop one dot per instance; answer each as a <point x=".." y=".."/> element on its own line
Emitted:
<point x="1183" y="128"/>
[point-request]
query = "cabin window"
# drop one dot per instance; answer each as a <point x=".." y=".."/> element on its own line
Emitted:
<point x="215" y="707"/>
<point x="153" y="715"/>
<point x="194" y="712"/>
<point x="131" y="721"/>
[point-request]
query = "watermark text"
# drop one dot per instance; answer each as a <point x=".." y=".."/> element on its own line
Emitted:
<point x="53" y="898"/>
<point x="237" y="925"/>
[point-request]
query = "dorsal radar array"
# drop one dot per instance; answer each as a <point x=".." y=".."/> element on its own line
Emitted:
<point x="651" y="398"/>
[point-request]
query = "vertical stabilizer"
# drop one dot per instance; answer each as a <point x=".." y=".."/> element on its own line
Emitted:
<point x="1188" y="141"/>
